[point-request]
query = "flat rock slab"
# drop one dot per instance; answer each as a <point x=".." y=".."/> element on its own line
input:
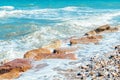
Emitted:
<point x="64" y="50"/>
<point x="86" y="40"/>
<point x="13" y="68"/>
<point x="102" y="29"/>
<point x="54" y="56"/>
<point x="35" y="52"/>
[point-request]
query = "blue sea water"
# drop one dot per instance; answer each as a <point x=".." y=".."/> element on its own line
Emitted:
<point x="61" y="3"/>
<point x="17" y="16"/>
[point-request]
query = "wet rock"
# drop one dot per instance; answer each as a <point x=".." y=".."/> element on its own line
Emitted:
<point x="79" y="74"/>
<point x="112" y="29"/>
<point x="13" y="68"/>
<point x="108" y="76"/>
<point x="55" y="56"/>
<point x="32" y="53"/>
<point x="99" y="74"/>
<point x="42" y="53"/>
<point x="10" y="75"/>
<point x="85" y="67"/>
<point x="64" y="50"/>
<point x="111" y="56"/>
<point x="117" y="48"/>
<point x="86" y="40"/>
<point x="101" y="29"/>
<point x="54" y="44"/>
<point x="20" y="64"/>
<point x="91" y="33"/>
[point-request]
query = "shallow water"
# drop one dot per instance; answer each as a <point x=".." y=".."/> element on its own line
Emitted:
<point x="35" y="23"/>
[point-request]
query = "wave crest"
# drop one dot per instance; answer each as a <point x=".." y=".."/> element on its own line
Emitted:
<point x="7" y="7"/>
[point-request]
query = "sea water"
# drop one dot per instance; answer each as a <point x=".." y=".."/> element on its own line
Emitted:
<point x="30" y="24"/>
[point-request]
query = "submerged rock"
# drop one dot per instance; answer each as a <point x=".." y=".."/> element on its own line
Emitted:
<point x="40" y="66"/>
<point x="13" y="68"/>
<point x="86" y="40"/>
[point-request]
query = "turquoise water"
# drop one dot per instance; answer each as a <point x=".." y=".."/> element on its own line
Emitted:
<point x="61" y="3"/>
<point x="17" y="16"/>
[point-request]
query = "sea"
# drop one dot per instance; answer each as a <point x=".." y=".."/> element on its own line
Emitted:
<point x="30" y="24"/>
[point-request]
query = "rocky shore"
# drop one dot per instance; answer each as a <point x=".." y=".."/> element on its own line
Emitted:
<point x="98" y="68"/>
<point x="106" y="67"/>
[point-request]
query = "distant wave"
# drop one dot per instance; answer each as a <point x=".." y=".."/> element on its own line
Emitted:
<point x="72" y="8"/>
<point x="81" y="15"/>
<point x="6" y="7"/>
<point x="52" y="13"/>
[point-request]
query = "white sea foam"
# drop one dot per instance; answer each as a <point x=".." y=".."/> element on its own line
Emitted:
<point x="46" y="73"/>
<point x="6" y="7"/>
<point x="61" y="13"/>
<point x="70" y="8"/>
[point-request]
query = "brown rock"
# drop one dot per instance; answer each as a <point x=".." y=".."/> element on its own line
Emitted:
<point x="10" y="75"/>
<point x="86" y="40"/>
<point x="104" y="28"/>
<point x="54" y="44"/>
<point x="13" y="68"/>
<point x="55" y="56"/>
<point x="64" y="50"/>
<point x="91" y="33"/>
<point x="31" y="54"/>
<point x="43" y="53"/>
<point x="112" y="29"/>
<point x="20" y="64"/>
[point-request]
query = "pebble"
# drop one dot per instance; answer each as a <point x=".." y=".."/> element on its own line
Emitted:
<point x="100" y="69"/>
